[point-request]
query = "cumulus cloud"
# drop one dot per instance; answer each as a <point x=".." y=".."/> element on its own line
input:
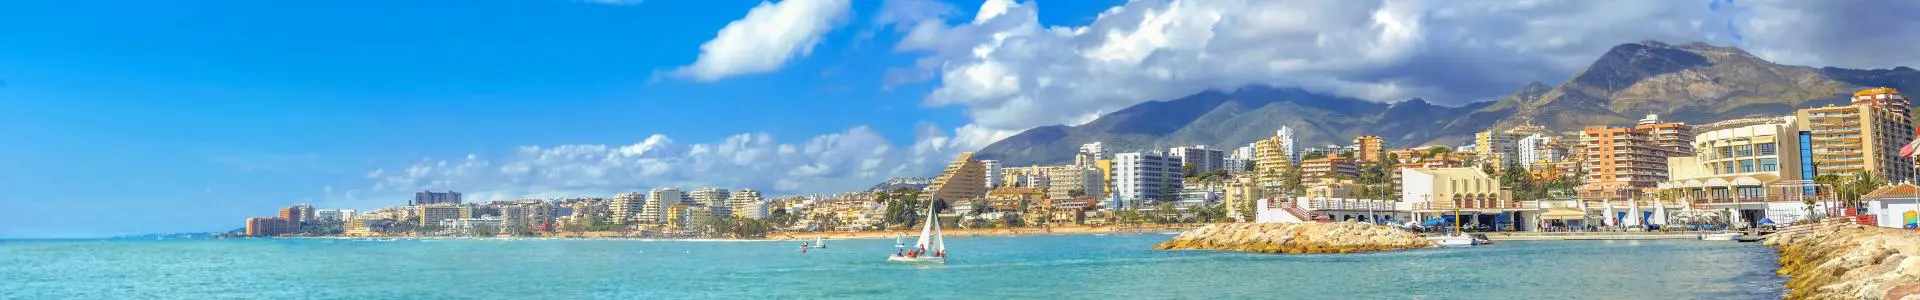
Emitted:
<point x="770" y="35"/>
<point x="1009" y="72"/>
<point x="838" y="162"/>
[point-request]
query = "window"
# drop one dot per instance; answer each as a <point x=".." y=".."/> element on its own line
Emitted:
<point x="1765" y="149"/>
<point x="1769" y="164"/>
<point x="1726" y="168"/>
<point x="1725" y="152"/>
<point x="1743" y="150"/>
<point x="1746" y="166"/>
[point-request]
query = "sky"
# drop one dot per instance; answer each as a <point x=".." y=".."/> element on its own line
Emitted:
<point x="128" y="117"/>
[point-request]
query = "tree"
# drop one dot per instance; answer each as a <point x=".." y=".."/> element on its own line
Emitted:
<point x="1186" y="170"/>
<point x="1436" y="151"/>
<point x="1248" y="165"/>
<point x="1290" y="180"/>
<point x="1076" y="193"/>
<point x="1313" y="155"/>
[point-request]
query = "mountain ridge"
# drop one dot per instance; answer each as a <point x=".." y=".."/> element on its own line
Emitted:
<point x="1693" y="82"/>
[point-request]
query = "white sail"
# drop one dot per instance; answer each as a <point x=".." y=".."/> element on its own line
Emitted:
<point x="926" y="230"/>
<point x="820" y="240"/>
<point x="939" y="241"/>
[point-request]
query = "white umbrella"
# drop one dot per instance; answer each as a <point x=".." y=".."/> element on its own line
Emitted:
<point x="1606" y="216"/>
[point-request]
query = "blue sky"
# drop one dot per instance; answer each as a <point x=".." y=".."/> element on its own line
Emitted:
<point x="121" y="117"/>
<point x="170" y="116"/>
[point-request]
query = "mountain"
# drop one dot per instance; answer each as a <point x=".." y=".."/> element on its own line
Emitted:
<point x="912" y="183"/>
<point x="1231" y="119"/>
<point x="1694" y="83"/>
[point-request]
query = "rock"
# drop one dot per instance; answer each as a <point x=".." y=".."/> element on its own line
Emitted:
<point x="1846" y="261"/>
<point x="1296" y="238"/>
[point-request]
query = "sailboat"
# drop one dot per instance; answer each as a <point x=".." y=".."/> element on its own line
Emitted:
<point x="931" y="248"/>
<point x="820" y="241"/>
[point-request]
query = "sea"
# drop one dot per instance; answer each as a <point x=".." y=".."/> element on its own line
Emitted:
<point x="1022" y="267"/>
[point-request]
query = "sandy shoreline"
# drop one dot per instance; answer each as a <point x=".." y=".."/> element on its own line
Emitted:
<point x="836" y="235"/>
<point x="1025" y="231"/>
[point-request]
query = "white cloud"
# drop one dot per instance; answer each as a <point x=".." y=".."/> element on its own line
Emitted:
<point x="769" y="36"/>
<point x="1009" y="72"/>
<point x="845" y="161"/>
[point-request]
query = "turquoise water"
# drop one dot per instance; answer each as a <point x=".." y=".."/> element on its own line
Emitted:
<point x="1053" y="267"/>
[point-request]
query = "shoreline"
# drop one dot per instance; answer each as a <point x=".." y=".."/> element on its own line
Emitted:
<point x="808" y="236"/>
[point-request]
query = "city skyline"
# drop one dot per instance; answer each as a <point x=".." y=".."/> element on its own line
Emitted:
<point x="220" y="111"/>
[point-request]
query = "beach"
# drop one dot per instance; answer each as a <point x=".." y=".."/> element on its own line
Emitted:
<point x="957" y="232"/>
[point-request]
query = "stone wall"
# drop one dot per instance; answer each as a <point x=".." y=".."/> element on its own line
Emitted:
<point x="1846" y="261"/>
<point x="1338" y="237"/>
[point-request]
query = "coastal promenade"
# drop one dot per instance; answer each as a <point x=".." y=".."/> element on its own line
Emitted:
<point x="1584" y="236"/>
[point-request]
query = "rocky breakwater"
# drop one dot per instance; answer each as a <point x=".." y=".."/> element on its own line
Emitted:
<point x="1846" y="261"/>
<point x="1296" y="238"/>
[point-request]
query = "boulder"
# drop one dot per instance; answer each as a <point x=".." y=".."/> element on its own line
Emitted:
<point x="1296" y="238"/>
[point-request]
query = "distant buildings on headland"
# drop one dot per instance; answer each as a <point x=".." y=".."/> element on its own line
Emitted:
<point x="1742" y="172"/>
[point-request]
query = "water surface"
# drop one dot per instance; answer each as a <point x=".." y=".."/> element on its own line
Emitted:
<point x="1052" y="267"/>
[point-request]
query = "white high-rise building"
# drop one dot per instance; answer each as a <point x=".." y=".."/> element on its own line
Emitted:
<point x="1094" y="148"/>
<point x="1535" y="148"/>
<point x="747" y="204"/>
<point x="1288" y="144"/>
<point x="1141" y="177"/>
<point x="995" y="173"/>
<point x="1238" y="160"/>
<point x="714" y="199"/>
<point x="1202" y="159"/>
<point x="328" y="215"/>
<point x="626" y="207"/>
<point x="657" y="202"/>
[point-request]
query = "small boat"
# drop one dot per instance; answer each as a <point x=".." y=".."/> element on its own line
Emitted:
<point x="820" y="242"/>
<point x="930" y="248"/>
<point x="1457" y="240"/>
<point x="1723" y="236"/>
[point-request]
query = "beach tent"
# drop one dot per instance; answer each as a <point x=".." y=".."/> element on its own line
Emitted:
<point x="1441" y="221"/>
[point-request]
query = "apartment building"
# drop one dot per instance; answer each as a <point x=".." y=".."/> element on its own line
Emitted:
<point x="1864" y="136"/>
<point x="1621" y="160"/>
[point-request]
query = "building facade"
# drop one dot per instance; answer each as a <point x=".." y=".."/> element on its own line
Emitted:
<point x="431" y="215"/>
<point x="713" y="198"/>
<point x="996" y="173"/>
<point x="1146" y="176"/>
<point x="1200" y="158"/>
<point x="1371" y="147"/>
<point x="1620" y="161"/>
<point x="747" y="204"/>
<point x="1864" y="136"/>
<point x="1536" y="149"/>
<point x="1331" y="168"/>
<point x="658" y="200"/>
<point x="965" y="178"/>
<point x="1745" y="165"/>
<point x="430" y="197"/>
<point x="626" y="207"/>
<point x="1501" y="149"/>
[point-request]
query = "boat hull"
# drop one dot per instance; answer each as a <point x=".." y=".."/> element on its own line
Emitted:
<point x="917" y="260"/>
<point x="1456" y="241"/>
<point x="1719" y="236"/>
